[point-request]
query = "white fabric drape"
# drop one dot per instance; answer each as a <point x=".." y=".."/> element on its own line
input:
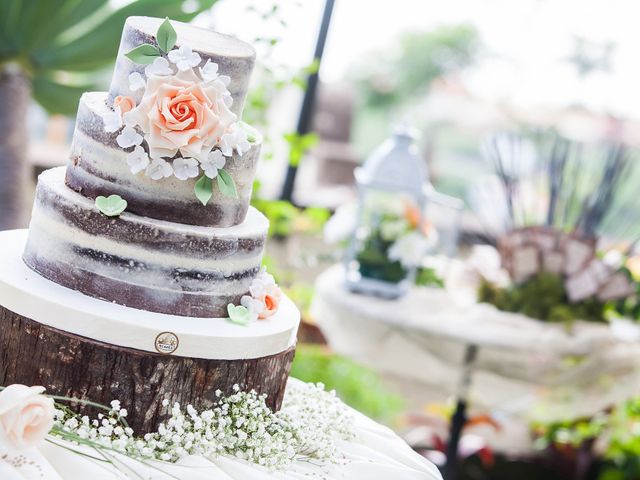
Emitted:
<point x="376" y="453"/>
<point x="525" y="368"/>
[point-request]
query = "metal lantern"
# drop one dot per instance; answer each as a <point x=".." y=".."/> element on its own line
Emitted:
<point x="394" y="172"/>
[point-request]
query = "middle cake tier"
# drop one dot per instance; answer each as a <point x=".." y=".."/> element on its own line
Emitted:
<point x="137" y="261"/>
<point x="98" y="166"/>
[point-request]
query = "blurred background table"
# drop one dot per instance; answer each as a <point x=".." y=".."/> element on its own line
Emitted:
<point x="524" y="369"/>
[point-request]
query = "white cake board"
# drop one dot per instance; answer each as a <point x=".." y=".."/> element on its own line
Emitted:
<point x="26" y="293"/>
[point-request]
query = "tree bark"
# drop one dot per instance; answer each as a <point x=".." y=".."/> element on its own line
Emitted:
<point x="65" y="364"/>
<point x="15" y="95"/>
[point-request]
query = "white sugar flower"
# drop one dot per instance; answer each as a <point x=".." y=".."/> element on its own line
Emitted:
<point x="234" y="139"/>
<point x="129" y="137"/>
<point x="159" y="169"/>
<point x="136" y="81"/>
<point x="184" y="168"/>
<point x="410" y="249"/>
<point x="184" y="58"/>
<point x="254" y="305"/>
<point x="209" y="71"/>
<point x="227" y="99"/>
<point x="138" y="160"/>
<point x="160" y="67"/>
<point x="213" y="162"/>
<point x="393" y="229"/>
<point x="129" y="119"/>
<point x="261" y="284"/>
<point x="112" y="120"/>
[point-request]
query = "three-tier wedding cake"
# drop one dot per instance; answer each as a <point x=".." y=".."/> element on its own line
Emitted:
<point x="140" y="276"/>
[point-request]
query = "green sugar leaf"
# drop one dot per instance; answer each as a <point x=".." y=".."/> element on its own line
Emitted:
<point x="238" y="314"/>
<point x="226" y="184"/>
<point x="166" y="36"/>
<point x="111" y="206"/>
<point x="144" y="54"/>
<point x="203" y="189"/>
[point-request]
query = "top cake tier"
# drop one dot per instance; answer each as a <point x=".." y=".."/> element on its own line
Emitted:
<point x="234" y="58"/>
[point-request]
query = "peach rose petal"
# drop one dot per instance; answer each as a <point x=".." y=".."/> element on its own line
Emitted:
<point x="125" y="103"/>
<point x="271" y="304"/>
<point x="178" y="114"/>
<point x="26" y="416"/>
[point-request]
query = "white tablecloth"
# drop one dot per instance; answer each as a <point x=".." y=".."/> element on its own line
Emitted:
<point x="524" y="367"/>
<point x="375" y="454"/>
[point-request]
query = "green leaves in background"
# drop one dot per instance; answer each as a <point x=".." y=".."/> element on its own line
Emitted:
<point x="55" y="95"/>
<point x="356" y="385"/>
<point x="203" y="190"/>
<point x="144" y="54"/>
<point x="111" y="206"/>
<point x="226" y="184"/>
<point x="299" y="145"/>
<point x="55" y="41"/>
<point x="166" y="36"/>
<point x="286" y="219"/>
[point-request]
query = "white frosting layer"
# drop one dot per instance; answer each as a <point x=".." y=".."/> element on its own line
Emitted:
<point x="26" y="293"/>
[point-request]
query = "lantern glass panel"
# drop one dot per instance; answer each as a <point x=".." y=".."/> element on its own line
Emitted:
<point x="385" y="217"/>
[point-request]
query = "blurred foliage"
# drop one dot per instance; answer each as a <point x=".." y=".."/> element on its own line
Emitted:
<point x="543" y="297"/>
<point x="286" y="219"/>
<point x="356" y="385"/>
<point x="428" y="277"/>
<point x="373" y="260"/>
<point x="405" y="71"/>
<point x="60" y="44"/>
<point x="299" y="145"/>
<point x="302" y="296"/>
<point x="392" y="83"/>
<point x="271" y="77"/>
<point x="615" y="432"/>
<point x="628" y="307"/>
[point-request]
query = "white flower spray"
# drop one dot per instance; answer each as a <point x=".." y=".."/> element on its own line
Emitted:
<point x="308" y="427"/>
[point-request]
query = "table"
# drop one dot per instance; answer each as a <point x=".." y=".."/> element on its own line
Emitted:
<point x="523" y="368"/>
<point x="376" y="453"/>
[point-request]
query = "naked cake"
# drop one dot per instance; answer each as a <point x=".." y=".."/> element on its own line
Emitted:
<point x="152" y="215"/>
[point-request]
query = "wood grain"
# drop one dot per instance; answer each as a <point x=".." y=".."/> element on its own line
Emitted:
<point x="70" y="365"/>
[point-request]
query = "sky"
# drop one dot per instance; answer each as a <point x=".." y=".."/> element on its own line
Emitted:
<point x="526" y="43"/>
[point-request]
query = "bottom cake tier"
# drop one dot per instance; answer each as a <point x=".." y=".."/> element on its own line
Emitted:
<point x="138" y="261"/>
<point x="78" y="346"/>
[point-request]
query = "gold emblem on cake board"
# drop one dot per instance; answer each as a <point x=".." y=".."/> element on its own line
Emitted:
<point x="167" y="342"/>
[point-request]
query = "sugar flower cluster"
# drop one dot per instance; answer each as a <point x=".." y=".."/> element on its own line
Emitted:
<point x="397" y="223"/>
<point x="183" y="126"/>
<point x="262" y="302"/>
<point x="309" y="426"/>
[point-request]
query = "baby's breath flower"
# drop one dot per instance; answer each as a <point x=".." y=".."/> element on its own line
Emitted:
<point x="309" y="425"/>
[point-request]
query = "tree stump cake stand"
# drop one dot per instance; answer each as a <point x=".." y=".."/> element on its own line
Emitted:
<point x="77" y="346"/>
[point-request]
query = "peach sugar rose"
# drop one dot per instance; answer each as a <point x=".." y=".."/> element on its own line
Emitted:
<point x="271" y="302"/>
<point x="180" y="113"/>
<point x="26" y="416"/>
<point x="125" y="103"/>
